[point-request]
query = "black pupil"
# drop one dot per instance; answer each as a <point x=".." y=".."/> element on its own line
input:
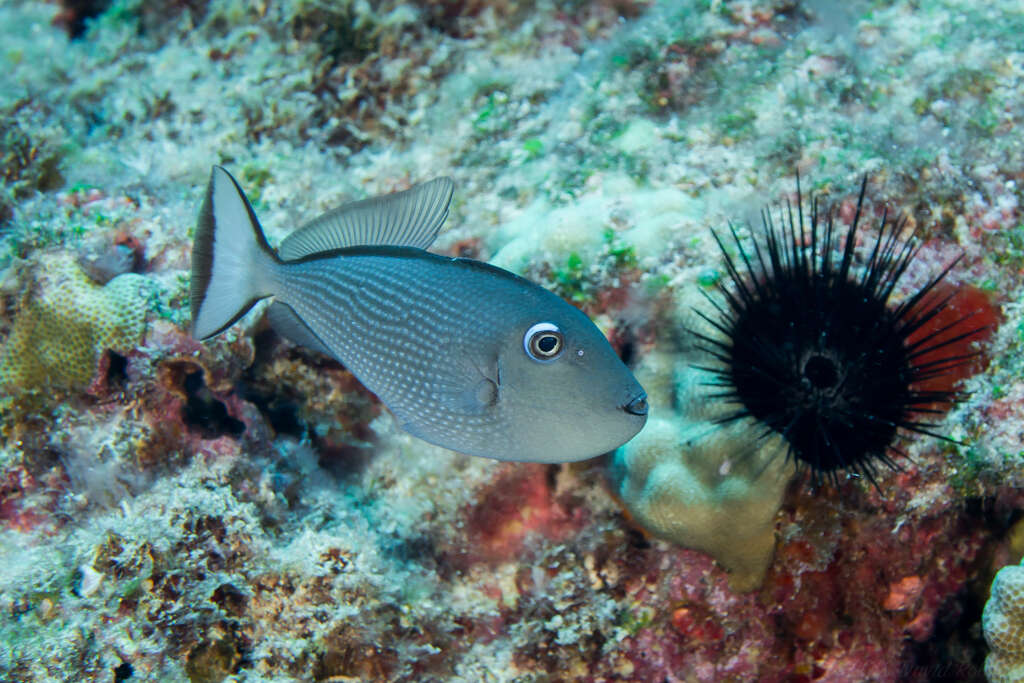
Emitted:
<point x="821" y="372"/>
<point x="547" y="343"/>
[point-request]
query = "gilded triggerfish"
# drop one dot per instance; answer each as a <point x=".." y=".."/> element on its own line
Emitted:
<point x="465" y="355"/>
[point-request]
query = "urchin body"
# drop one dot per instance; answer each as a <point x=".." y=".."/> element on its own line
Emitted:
<point x="810" y="347"/>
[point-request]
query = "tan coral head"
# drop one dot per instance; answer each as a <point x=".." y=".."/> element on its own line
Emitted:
<point x="1003" y="624"/>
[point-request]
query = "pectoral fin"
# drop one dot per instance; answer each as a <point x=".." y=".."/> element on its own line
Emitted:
<point x="477" y="388"/>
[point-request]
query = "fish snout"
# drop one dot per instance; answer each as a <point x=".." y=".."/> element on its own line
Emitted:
<point x="638" y="406"/>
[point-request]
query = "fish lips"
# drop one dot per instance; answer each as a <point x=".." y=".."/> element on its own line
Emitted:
<point x="636" y="406"/>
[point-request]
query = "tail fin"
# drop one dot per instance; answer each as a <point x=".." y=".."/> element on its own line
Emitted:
<point x="231" y="260"/>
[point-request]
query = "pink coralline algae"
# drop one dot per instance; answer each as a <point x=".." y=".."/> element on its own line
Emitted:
<point x="518" y="502"/>
<point x="849" y="588"/>
<point x="903" y="594"/>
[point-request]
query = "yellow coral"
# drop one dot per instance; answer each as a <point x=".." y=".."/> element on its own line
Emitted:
<point x="699" y="484"/>
<point x="67" y="321"/>
<point x="1003" y="623"/>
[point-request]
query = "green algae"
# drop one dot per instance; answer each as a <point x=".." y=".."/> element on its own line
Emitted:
<point x="570" y="279"/>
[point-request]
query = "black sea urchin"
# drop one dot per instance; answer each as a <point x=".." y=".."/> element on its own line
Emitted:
<point x="810" y="349"/>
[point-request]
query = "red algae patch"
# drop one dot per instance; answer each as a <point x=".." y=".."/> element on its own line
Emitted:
<point x="969" y="314"/>
<point x="519" y="501"/>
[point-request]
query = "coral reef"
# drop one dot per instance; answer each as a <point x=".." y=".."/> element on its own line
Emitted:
<point x="1003" y="623"/>
<point x="65" y="322"/>
<point x="242" y="509"/>
<point x="697" y="483"/>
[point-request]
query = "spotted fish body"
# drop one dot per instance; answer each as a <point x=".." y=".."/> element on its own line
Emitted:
<point x="466" y="355"/>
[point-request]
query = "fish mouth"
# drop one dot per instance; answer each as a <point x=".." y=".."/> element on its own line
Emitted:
<point x="637" y="406"/>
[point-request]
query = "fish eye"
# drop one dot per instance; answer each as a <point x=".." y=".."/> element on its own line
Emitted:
<point x="543" y="341"/>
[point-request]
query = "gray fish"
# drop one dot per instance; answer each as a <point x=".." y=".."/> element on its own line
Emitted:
<point x="465" y="355"/>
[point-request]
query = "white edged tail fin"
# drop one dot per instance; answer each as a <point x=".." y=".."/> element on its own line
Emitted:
<point x="231" y="260"/>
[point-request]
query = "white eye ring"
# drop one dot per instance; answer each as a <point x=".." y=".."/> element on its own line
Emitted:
<point x="543" y="342"/>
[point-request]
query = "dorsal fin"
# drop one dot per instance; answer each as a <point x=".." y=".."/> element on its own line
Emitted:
<point x="411" y="218"/>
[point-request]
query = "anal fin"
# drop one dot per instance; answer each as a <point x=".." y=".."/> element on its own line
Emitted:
<point x="288" y="324"/>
